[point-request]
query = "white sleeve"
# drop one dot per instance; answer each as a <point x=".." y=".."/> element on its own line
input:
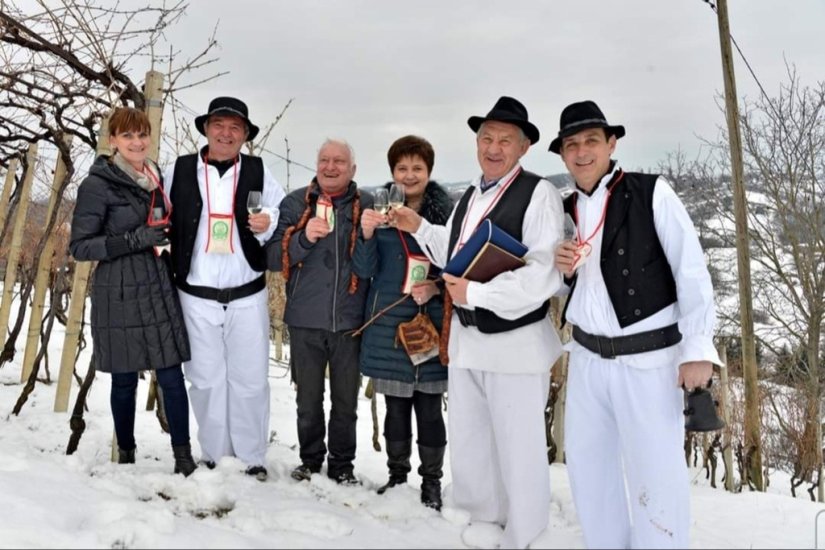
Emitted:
<point x="435" y="240"/>
<point x="271" y="198"/>
<point x="694" y="291"/>
<point x="516" y="293"/>
<point x="167" y="178"/>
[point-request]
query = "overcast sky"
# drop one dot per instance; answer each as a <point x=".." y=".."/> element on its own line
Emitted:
<point x="370" y="71"/>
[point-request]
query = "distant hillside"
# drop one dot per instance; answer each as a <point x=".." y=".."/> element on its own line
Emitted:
<point x="562" y="181"/>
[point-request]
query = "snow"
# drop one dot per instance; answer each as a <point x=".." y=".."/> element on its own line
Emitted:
<point x="49" y="499"/>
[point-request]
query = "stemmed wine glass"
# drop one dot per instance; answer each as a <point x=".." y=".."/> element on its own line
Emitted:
<point x="253" y="202"/>
<point x="569" y="228"/>
<point x="381" y="204"/>
<point x="396" y="196"/>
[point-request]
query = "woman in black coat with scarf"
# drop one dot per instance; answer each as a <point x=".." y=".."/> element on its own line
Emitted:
<point x="136" y="321"/>
<point x="383" y="254"/>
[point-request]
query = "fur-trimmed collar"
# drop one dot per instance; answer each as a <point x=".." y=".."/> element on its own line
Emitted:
<point x="436" y="205"/>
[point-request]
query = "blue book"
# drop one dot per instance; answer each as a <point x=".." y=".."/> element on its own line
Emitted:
<point x="488" y="252"/>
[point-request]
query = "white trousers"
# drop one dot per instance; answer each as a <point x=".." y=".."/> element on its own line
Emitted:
<point x="624" y="437"/>
<point x="229" y="387"/>
<point x="498" y="450"/>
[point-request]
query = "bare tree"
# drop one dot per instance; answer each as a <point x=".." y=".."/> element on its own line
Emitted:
<point x="64" y="65"/>
<point x="784" y="153"/>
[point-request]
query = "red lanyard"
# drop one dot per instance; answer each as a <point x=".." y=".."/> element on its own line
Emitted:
<point x="496" y="198"/>
<point x="206" y="179"/>
<point x="406" y="248"/>
<point x="604" y="212"/>
<point x="167" y="205"/>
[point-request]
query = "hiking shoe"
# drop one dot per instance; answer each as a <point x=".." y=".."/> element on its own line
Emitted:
<point x="346" y="478"/>
<point x="208" y="463"/>
<point x="304" y="472"/>
<point x="259" y="472"/>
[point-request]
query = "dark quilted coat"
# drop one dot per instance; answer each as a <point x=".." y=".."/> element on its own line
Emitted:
<point x="383" y="259"/>
<point x="136" y="318"/>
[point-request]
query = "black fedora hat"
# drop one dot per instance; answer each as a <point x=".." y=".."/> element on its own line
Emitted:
<point x="507" y="110"/>
<point x="227" y="106"/>
<point x="581" y="116"/>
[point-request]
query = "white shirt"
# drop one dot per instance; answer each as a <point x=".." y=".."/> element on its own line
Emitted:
<point x="591" y="309"/>
<point x="529" y="349"/>
<point x="225" y="270"/>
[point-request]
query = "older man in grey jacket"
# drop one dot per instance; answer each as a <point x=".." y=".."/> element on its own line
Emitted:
<point x="313" y="247"/>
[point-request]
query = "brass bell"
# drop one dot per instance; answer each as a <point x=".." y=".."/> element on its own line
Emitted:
<point x="700" y="412"/>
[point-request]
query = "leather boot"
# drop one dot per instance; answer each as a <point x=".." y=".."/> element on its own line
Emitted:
<point x="432" y="461"/>
<point x="184" y="463"/>
<point x="125" y="456"/>
<point x="398" y="462"/>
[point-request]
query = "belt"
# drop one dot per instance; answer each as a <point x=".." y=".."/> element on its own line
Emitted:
<point x="467" y="317"/>
<point x="640" y="342"/>
<point x="224" y="295"/>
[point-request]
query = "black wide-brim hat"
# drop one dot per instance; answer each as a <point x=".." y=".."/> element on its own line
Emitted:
<point x="511" y="111"/>
<point x="227" y="106"/>
<point x="582" y="116"/>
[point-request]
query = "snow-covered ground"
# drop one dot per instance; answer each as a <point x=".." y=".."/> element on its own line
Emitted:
<point x="48" y="499"/>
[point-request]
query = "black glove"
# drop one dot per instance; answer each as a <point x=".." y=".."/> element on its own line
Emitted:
<point x="147" y="236"/>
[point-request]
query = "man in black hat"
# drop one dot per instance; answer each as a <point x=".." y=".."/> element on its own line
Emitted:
<point x="218" y="228"/>
<point x="641" y="306"/>
<point x="501" y="343"/>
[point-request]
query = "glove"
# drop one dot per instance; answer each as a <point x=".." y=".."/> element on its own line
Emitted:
<point x="147" y="236"/>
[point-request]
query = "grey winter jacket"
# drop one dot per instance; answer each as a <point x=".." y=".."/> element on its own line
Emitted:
<point x="317" y="294"/>
<point x="136" y="318"/>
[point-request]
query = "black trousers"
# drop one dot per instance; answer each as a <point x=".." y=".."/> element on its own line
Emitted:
<point x="175" y="402"/>
<point x="428" y="419"/>
<point x="311" y="351"/>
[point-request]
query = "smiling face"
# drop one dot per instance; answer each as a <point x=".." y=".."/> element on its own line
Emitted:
<point x="335" y="168"/>
<point x="226" y="135"/>
<point x="132" y="145"/>
<point x="411" y="172"/>
<point x="500" y="146"/>
<point x="587" y="156"/>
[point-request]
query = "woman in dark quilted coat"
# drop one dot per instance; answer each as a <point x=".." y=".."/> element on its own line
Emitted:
<point x="389" y="257"/>
<point x="136" y="317"/>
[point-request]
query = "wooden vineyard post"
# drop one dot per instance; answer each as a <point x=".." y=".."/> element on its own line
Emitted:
<point x="724" y="402"/>
<point x="16" y="249"/>
<point x="6" y="196"/>
<point x="154" y="111"/>
<point x="44" y="267"/>
<point x="80" y="285"/>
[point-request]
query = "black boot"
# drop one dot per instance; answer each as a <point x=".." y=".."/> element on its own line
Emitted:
<point x="398" y="462"/>
<point x="184" y="463"/>
<point x="125" y="456"/>
<point x="432" y="461"/>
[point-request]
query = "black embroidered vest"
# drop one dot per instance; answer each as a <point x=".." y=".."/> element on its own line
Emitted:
<point x="508" y="214"/>
<point x="187" y="205"/>
<point x="633" y="264"/>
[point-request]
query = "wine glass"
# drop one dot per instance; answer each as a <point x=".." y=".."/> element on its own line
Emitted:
<point x="381" y="203"/>
<point x="159" y="218"/>
<point x="569" y="228"/>
<point x="253" y="202"/>
<point x="396" y="196"/>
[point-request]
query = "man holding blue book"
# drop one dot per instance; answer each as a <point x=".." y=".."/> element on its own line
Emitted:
<point x="501" y="342"/>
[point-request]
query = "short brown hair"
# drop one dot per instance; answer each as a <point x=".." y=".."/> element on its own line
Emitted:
<point x="129" y="119"/>
<point x="411" y="146"/>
